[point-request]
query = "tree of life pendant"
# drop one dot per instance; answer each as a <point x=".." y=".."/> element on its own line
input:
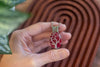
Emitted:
<point x="55" y="38"/>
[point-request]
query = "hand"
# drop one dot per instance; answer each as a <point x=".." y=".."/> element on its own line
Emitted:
<point x="26" y="43"/>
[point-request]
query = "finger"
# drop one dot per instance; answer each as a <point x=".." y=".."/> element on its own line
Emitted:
<point x="45" y="35"/>
<point x="41" y="27"/>
<point x="64" y="42"/>
<point x="64" y="36"/>
<point x="33" y="46"/>
<point x="39" y="39"/>
<point x="52" y="56"/>
<point x="42" y="46"/>
<point x="38" y="43"/>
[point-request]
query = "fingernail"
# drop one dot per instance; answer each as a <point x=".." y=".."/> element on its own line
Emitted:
<point x="68" y="52"/>
<point x="69" y="35"/>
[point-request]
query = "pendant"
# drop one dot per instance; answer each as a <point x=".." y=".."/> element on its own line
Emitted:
<point x="55" y="38"/>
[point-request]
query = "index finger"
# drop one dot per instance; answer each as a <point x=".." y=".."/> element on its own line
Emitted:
<point x="41" y="27"/>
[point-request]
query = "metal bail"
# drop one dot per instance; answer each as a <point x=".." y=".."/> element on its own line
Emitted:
<point x="55" y="28"/>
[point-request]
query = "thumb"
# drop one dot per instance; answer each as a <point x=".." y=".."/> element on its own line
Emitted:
<point x="53" y="55"/>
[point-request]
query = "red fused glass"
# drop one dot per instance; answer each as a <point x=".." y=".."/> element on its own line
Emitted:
<point x="55" y="40"/>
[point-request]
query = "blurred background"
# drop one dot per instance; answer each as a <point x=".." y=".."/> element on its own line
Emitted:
<point x="24" y="6"/>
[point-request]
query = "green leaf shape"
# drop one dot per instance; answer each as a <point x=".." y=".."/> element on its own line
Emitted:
<point x="4" y="46"/>
<point x="12" y="2"/>
<point x="9" y="21"/>
<point x="2" y="4"/>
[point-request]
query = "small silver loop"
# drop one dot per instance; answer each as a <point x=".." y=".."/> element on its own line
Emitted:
<point x="51" y="24"/>
<point x="58" y="26"/>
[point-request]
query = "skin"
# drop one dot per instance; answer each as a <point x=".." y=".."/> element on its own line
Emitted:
<point x="26" y="43"/>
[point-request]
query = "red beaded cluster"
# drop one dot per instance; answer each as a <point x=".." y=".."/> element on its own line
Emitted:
<point x="55" y="40"/>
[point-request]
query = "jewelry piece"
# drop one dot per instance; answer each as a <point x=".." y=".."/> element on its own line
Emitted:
<point x="55" y="38"/>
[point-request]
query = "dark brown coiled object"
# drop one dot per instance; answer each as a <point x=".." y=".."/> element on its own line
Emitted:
<point x="82" y="19"/>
